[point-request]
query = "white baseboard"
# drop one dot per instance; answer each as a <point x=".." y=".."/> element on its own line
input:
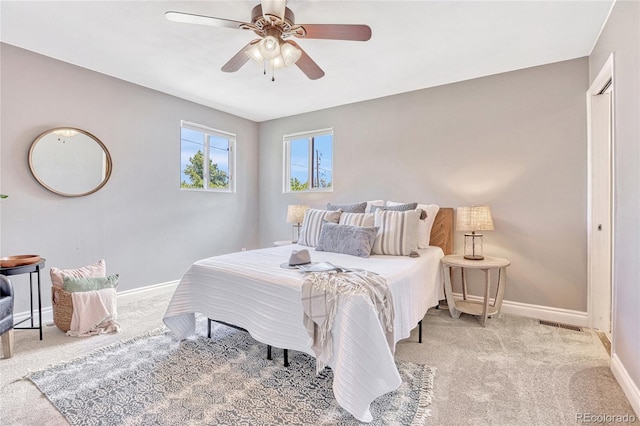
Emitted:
<point x="47" y="313"/>
<point x="547" y="313"/>
<point x="630" y="388"/>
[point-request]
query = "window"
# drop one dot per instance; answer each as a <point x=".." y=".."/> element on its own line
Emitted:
<point x="308" y="159"/>
<point x="207" y="158"/>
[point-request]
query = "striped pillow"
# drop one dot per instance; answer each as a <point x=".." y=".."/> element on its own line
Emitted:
<point x="398" y="233"/>
<point x="312" y="223"/>
<point x="356" y="219"/>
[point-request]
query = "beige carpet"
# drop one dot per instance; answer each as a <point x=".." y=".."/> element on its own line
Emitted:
<point x="513" y="372"/>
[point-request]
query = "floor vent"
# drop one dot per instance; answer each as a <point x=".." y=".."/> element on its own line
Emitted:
<point x="560" y="325"/>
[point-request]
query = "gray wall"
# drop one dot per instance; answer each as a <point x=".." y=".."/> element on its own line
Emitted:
<point x="140" y="222"/>
<point x="515" y="141"/>
<point x="621" y="35"/>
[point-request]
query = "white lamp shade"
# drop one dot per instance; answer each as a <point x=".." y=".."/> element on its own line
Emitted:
<point x="295" y="213"/>
<point x="474" y="218"/>
<point x="290" y="54"/>
<point x="269" y="47"/>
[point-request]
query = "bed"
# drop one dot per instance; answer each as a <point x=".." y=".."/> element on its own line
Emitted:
<point x="250" y="290"/>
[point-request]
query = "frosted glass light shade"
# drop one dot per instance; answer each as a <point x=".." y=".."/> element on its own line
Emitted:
<point x="269" y="47"/>
<point x="290" y="54"/>
<point x="254" y="53"/>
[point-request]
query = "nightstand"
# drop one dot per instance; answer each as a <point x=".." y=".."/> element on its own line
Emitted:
<point x="482" y="309"/>
<point x="282" y="243"/>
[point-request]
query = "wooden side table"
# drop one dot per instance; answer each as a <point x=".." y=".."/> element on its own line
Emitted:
<point x="482" y="309"/>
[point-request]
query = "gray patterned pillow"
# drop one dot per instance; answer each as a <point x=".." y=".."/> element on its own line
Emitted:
<point x="312" y="223"/>
<point x="347" y="239"/>
<point x="396" y="208"/>
<point x="348" y="208"/>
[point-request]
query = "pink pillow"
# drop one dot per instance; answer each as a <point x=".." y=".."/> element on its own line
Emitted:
<point x="98" y="269"/>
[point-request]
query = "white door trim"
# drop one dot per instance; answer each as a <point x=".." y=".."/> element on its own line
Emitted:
<point x="605" y="74"/>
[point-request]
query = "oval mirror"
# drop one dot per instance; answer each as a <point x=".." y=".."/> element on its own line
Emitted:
<point x="70" y="162"/>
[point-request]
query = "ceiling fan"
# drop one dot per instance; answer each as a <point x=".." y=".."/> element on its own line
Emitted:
<point x="275" y="24"/>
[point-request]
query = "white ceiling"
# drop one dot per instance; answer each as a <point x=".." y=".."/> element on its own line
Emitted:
<point x="415" y="45"/>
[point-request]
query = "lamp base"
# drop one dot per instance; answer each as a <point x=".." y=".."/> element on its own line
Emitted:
<point x="473" y="246"/>
<point x="474" y="257"/>
<point x="295" y="234"/>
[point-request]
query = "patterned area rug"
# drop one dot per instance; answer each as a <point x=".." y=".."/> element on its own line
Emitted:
<point x="155" y="380"/>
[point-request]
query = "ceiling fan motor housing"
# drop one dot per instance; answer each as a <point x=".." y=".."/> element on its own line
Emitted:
<point x="265" y="23"/>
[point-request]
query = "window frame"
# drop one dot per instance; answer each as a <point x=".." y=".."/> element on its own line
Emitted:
<point x="286" y="140"/>
<point x="210" y="131"/>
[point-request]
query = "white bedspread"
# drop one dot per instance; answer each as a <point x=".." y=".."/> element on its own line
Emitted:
<point x="250" y="290"/>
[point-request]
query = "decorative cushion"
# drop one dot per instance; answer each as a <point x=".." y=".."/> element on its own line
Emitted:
<point x="425" y="225"/>
<point x="312" y="223"/>
<point x="73" y="284"/>
<point x="356" y="219"/>
<point x="98" y="269"/>
<point x="347" y="239"/>
<point x="398" y="232"/>
<point x="372" y="203"/>
<point x="348" y="208"/>
<point x="395" y="207"/>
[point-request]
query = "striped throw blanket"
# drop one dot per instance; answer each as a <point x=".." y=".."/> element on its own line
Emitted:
<point x="320" y="295"/>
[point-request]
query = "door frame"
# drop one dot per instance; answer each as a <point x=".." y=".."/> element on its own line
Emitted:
<point x="605" y="74"/>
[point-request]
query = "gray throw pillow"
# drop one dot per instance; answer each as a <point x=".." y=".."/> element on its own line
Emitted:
<point x="348" y="208"/>
<point x="396" y="208"/>
<point x="347" y="239"/>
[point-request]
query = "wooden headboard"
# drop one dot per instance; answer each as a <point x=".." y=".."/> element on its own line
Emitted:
<point x="442" y="230"/>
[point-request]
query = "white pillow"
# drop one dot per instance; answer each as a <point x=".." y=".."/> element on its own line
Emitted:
<point x="397" y="234"/>
<point x="356" y="219"/>
<point x="370" y="204"/>
<point x="312" y="224"/>
<point x="424" y="226"/>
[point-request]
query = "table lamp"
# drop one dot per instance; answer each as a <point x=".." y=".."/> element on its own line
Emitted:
<point x="474" y="218"/>
<point x="295" y="215"/>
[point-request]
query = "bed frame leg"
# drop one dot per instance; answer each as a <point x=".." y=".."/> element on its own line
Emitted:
<point x="269" y="352"/>
<point x="209" y="321"/>
<point x="286" y="357"/>
<point x="420" y="332"/>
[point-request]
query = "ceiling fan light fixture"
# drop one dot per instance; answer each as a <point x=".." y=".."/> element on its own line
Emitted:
<point x="290" y="54"/>
<point x="269" y="47"/>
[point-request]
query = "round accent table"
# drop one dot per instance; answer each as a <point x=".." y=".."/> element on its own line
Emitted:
<point x="482" y="309"/>
<point x="31" y="269"/>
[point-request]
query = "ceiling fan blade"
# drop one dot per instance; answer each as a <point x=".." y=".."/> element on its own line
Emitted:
<point x="239" y="59"/>
<point x="190" y="18"/>
<point x="307" y="65"/>
<point x="337" y="31"/>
